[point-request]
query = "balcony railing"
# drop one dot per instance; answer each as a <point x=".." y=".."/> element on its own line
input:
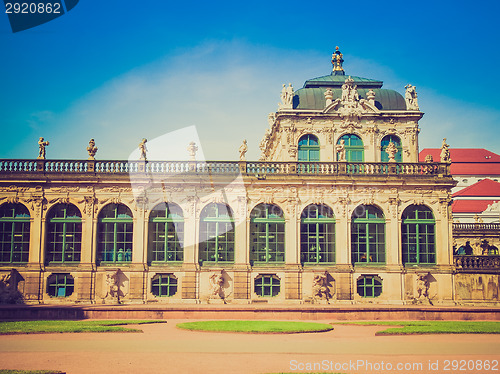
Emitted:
<point x="477" y="263"/>
<point x="225" y="167"/>
<point x="476" y="227"/>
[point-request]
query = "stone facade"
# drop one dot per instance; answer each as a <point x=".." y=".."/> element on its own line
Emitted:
<point x="242" y="229"/>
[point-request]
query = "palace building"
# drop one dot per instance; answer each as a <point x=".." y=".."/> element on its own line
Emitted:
<point x="337" y="210"/>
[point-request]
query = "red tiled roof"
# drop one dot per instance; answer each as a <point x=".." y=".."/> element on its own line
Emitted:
<point x="486" y="187"/>
<point x="470" y="206"/>
<point x="467" y="161"/>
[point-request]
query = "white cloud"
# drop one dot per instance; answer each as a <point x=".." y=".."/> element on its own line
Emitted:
<point x="227" y="90"/>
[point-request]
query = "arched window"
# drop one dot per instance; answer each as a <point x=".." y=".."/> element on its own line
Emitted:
<point x="354" y="150"/>
<point x="217" y="233"/>
<point x="14" y="233"/>
<point x="418" y="235"/>
<point x="308" y="148"/>
<point x="267" y="234"/>
<point x="317" y="234"/>
<point x="384" y="157"/>
<point x="166" y="233"/>
<point x="114" y="234"/>
<point x="367" y="235"/>
<point x="64" y="234"/>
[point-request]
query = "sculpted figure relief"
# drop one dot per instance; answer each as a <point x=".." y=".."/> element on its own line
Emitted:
<point x="350" y="92"/>
<point x="391" y="150"/>
<point x="320" y="287"/>
<point x="340" y="148"/>
<point x="113" y="285"/>
<point x="411" y="97"/>
<point x="217" y="283"/>
<point x="423" y="285"/>
<point x="9" y="293"/>
<point x="41" y="148"/>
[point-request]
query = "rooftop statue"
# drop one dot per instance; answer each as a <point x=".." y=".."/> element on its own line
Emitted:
<point x="286" y="97"/>
<point x="192" y="148"/>
<point x="411" y="97"/>
<point x="92" y="149"/>
<point x="350" y="95"/>
<point x="328" y="96"/>
<point x="337" y="60"/>
<point x="243" y="150"/>
<point x="445" y="152"/>
<point x="143" y="149"/>
<point x="41" y="148"/>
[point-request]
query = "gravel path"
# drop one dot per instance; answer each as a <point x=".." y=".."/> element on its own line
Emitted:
<point x="163" y="348"/>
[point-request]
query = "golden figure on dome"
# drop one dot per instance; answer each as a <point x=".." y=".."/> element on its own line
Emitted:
<point x="337" y="60"/>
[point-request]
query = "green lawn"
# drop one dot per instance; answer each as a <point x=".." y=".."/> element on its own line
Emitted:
<point x="256" y="326"/>
<point x="30" y="327"/>
<point x="433" y="327"/>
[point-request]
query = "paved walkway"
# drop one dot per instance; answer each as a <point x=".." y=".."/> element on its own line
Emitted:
<point x="163" y="348"/>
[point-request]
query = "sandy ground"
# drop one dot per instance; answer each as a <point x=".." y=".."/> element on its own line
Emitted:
<point x="162" y="348"/>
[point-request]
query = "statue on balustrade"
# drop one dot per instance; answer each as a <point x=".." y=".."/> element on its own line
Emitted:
<point x="41" y="148"/>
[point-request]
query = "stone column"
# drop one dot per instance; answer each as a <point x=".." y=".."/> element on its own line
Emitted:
<point x="292" y="239"/>
<point x="85" y="276"/>
<point x="137" y="290"/>
<point x="392" y="241"/>
<point x="33" y="291"/>
<point x="88" y="233"/>
<point x="138" y="249"/>
<point x="191" y="248"/>
<point x="343" y="278"/>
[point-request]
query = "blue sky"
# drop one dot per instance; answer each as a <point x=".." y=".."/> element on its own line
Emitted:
<point x="120" y="70"/>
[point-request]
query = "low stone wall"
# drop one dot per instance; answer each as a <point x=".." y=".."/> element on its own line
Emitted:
<point x="320" y="312"/>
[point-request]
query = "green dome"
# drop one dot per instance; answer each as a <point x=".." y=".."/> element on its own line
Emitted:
<point x="312" y="95"/>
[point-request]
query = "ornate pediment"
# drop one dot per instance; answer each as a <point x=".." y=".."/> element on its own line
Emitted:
<point x="350" y="106"/>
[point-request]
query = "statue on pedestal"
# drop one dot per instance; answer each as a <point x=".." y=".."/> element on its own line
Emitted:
<point x="391" y="150"/>
<point x="445" y="152"/>
<point x="92" y="149"/>
<point x="192" y="148"/>
<point x="41" y="148"/>
<point x="243" y="150"/>
<point x="340" y="148"/>
<point x="411" y="97"/>
<point x="143" y="149"/>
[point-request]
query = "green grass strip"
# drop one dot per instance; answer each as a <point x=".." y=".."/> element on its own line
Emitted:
<point x="433" y="327"/>
<point x="256" y="326"/>
<point x="33" y="327"/>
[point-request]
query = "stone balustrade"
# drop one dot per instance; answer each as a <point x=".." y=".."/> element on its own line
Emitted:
<point x="481" y="227"/>
<point x="225" y="167"/>
<point x="477" y="263"/>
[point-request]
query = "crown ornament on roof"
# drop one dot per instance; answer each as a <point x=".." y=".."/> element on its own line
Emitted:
<point x="337" y="62"/>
